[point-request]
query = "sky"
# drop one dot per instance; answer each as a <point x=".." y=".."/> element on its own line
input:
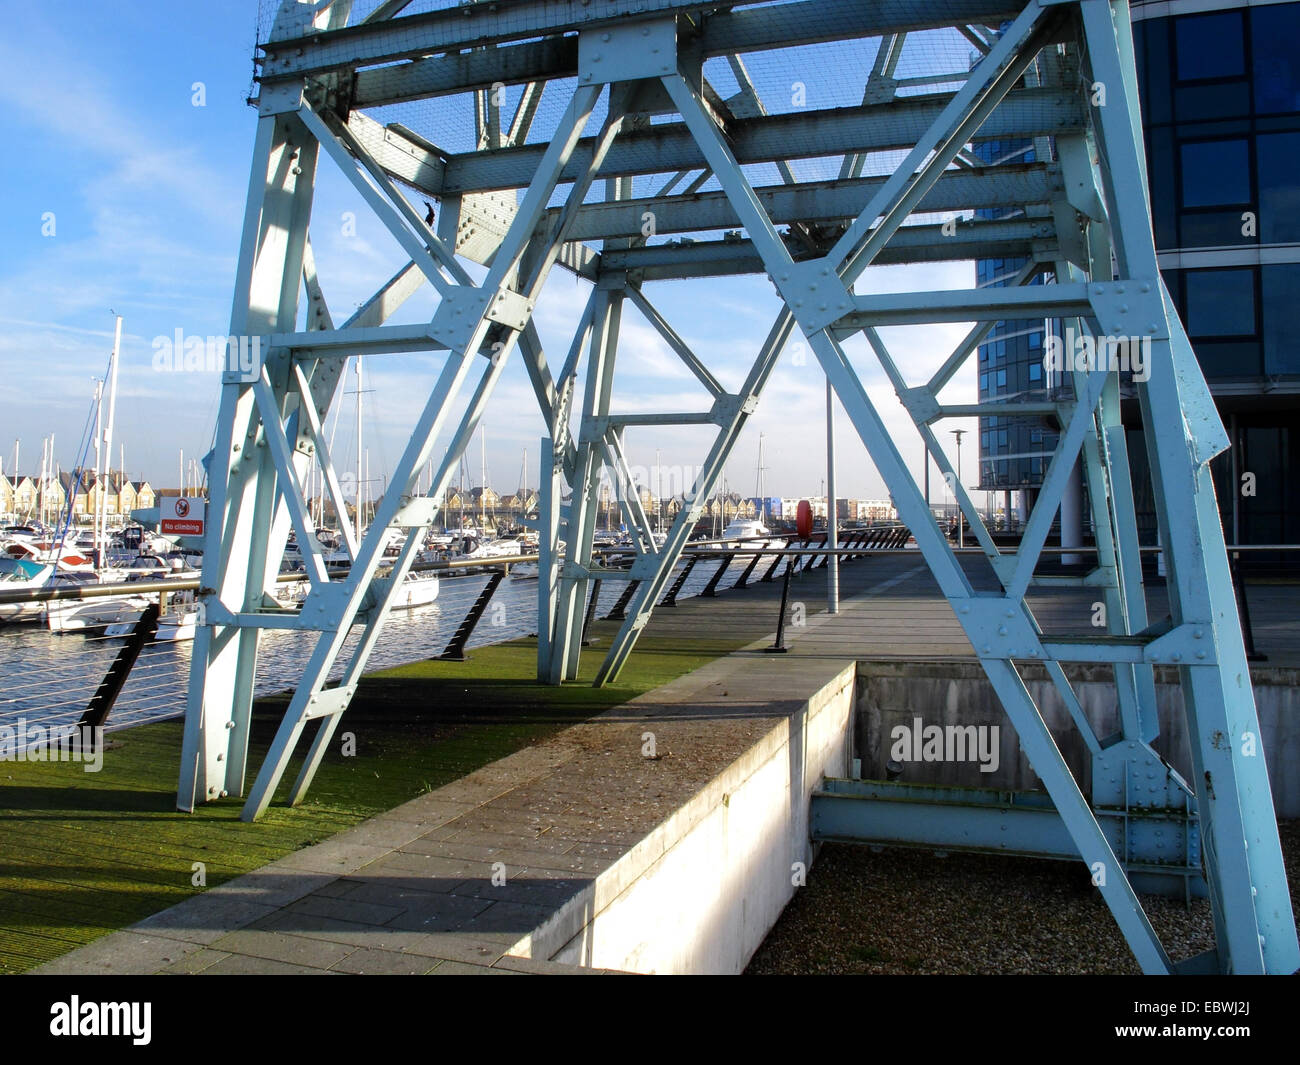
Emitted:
<point x="127" y="195"/>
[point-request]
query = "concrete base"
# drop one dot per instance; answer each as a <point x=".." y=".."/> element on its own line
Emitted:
<point x="700" y="893"/>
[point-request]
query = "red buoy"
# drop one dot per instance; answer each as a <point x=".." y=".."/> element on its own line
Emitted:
<point x="804" y="519"/>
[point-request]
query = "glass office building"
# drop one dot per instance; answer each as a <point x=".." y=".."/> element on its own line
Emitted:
<point x="1220" y="94"/>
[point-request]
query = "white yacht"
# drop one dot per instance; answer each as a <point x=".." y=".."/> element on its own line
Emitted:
<point x="748" y="532"/>
<point x="18" y="575"/>
<point x="418" y="589"/>
<point x="87" y="615"/>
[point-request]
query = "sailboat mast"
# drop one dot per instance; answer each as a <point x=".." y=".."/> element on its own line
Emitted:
<point x="108" y="435"/>
<point x="360" y="504"/>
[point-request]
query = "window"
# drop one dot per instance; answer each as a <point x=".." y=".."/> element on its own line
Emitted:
<point x="1035" y="371"/>
<point x="1274" y="32"/>
<point x="1151" y="50"/>
<point x="1209" y="46"/>
<point x="1220" y="303"/>
<point x="1277" y="155"/>
<point x="1281" y="291"/>
<point x="1215" y="173"/>
<point x="1002" y="379"/>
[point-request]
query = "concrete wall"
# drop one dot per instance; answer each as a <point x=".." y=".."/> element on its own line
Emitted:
<point x="700" y="893"/>
<point x="945" y="693"/>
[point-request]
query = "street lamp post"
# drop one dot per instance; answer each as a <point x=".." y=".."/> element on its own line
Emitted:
<point x="961" y="518"/>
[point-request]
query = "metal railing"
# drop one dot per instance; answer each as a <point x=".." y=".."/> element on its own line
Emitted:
<point x="40" y="690"/>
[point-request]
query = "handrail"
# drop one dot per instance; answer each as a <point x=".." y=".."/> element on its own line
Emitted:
<point x="184" y="584"/>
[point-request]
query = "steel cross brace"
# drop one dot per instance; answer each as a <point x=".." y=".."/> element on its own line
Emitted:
<point x="1035" y="736"/>
<point x="1255" y="926"/>
<point x="337" y="604"/>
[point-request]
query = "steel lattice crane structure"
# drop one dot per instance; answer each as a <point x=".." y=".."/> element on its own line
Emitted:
<point x="1061" y="71"/>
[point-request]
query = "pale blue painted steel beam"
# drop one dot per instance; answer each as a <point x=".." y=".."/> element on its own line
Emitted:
<point x="664" y="148"/>
<point x="654" y="580"/>
<point x="989" y="821"/>
<point x="1015" y="238"/>
<point x="965" y="112"/>
<point x="579" y="530"/>
<point x="242" y="477"/>
<point x="814" y="201"/>
<point x="464" y="26"/>
<point x="1254" y="921"/>
<point x="786" y="26"/>
<point x="341" y="603"/>
<point x="967" y="305"/>
<point x="1035" y="737"/>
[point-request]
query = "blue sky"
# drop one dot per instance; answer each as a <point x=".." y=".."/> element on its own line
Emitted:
<point x="147" y="195"/>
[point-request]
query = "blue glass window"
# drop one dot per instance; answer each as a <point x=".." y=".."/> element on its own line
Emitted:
<point x="1277" y="156"/>
<point x="1274" y="33"/>
<point x="1215" y="173"/>
<point x="1220" y="303"/>
<point x="1281" y="292"/>
<point x="1210" y="46"/>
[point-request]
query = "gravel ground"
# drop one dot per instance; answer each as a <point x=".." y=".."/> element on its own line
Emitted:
<point x="907" y="911"/>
